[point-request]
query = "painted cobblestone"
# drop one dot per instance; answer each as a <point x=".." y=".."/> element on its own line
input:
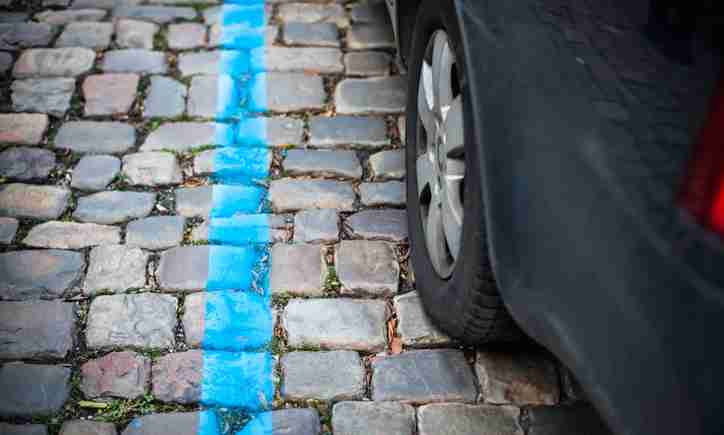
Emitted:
<point x="110" y="171"/>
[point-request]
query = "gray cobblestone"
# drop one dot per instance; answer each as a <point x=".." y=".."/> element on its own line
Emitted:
<point x="155" y="14"/>
<point x="157" y="232"/>
<point x="289" y="92"/>
<point x="203" y="98"/>
<point x="389" y="193"/>
<point x="86" y="34"/>
<point x="287" y="421"/>
<point x="115" y="268"/>
<point x="50" y="96"/>
<point x="194" y="201"/>
<point x="29" y="201"/>
<point x="109" y="94"/>
<point x="85" y="427"/>
<point x="39" y="274"/>
<point x="413" y="325"/>
<point x="8" y="229"/>
<point x="56" y="62"/>
<point x="103" y="4"/>
<point x="112" y="207"/>
<point x="37" y="329"/>
<point x="203" y="62"/>
<point x="177" y="423"/>
<point x="152" y="169"/>
<point x="468" y="419"/>
<point x="184" y="268"/>
<point x="313" y="13"/>
<point x="95" y="172"/>
<point x="370" y="36"/>
<point x="117" y="374"/>
<point x="522" y="378"/>
<point x="336" y="375"/>
<point x="343" y="164"/>
<point x="96" y="137"/>
<point x="135" y="34"/>
<point x="177" y="377"/>
<point x="71" y="235"/>
<point x="316" y="226"/>
<point x="180" y="136"/>
<point x="367" y="63"/>
<point x="16" y="36"/>
<point x="319" y="34"/>
<point x="367" y="268"/>
<point x="33" y="389"/>
<point x="133" y="60"/>
<point x="25" y="163"/>
<point x="371" y="95"/>
<point x="166" y="98"/>
<point x="423" y="376"/>
<point x="284" y="131"/>
<point x="376" y="418"/>
<point x="290" y="194"/>
<point x="185" y="36"/>
<point x="13" y="17"/>
<point x="59" y="18"/>
<point x="369" y="12"/>
<point x="23" y="429"/>
<point x="388" y="164"/>
<point x="345" y="130"/>
<point x="141" y="320"/>
<point x="379" y="224"/>
<point x="297" y="269"/>
<point x="336" y="324"/>
<point x="22" y="128"/>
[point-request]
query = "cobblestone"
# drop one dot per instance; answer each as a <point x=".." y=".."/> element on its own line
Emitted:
<point x="367" y="63"/>
<point x="109" y="94"/>
<point x="468" y="419"/>
<point x="297" y="269"/>
<point x="33" y="389"/>
<point x="291" y="195"/>
<point x="59" y="18"/>
<point x="343" y="164"/>
<point x="413" y="325"/>
<point x="193" y="201"/>
<point x="112" y="207"/>
<point x="56" y="62"/>
<point x="39" y="274"/>
<point x="85" y="427"/>
<point x="141" y="320"/>
<point x="86" y="34"/>
<point x="25" y="163"/>
<point x="367" y="268"/>
<point x="50" y="96"/>
<point x="115" y="268"/>
<point x="166" y="98"/>
<point x="319" y="34"/>
<point x="36" y="330"/>
<point x="370" y="95"/>
<point x="295" y="421"/>
<point x="180" y="136"/>
<point x="313" y="13"/>
<point x="157" y="232"/>
<point x="203" y="62"/>
<point x="365" y="132"/>
<point x="378" y="224"/>
<point x="336" y="375"/>
<point x="177" y="423"/>
<point x="423" y="376"/>
<point x="135" y="34"/>
<point x="370" y="12"/>
<point x="370" y="36"/>
<point x="336" y="324"/>
<point x="316" y="226"/>
<point x="177" y="377"/>
<point x="152" y="169"/>
<point x="204" y="95"/>
<point x="389" y="193"/>
<point x="22" y="128"/>
<point x="71" y="235"/>
<point x="303" y="59"/>
<point x="95" y="172"/>
<point x="358" y="418"/>
<point x="184" y="268"/>
<point x="388" y="164"/>
<point x="16" y="36"/>
<point x="185" y="36"/>
<point x="30" y="201"/>
<point x="133" y="60"/>
<point x="155" y="14"/>
<point x="8" y="229"/>
<point x="289" y="92"/>
<point x="96" y="137"/>
<point x="117" y="374"/>
<point x="520" y="378"/>
<point x="23" y="429"/>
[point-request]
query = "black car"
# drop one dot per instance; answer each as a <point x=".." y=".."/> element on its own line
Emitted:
<point x="565" y="162"/>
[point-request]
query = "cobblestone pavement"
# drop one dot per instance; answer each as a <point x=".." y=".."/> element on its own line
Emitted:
<point x="107" y="159"/>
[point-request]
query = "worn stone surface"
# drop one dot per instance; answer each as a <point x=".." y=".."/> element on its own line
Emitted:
<point x="184" y="268"/>
<point x="390" y="193"/>
<point x="180" y="136"/>
<point x="336" y="324"/>
<point x="157" y="232"/>
<point x="194" y="201"/>
<point x="33" y="389"/>
<point x="204" y="95"/>
<point x="152" y="169"/>
<point x="319" y="34"/>
<point x="335" y="375"/>
<point x="177" y="377"/>
<point x="297" y="269"/>
<point x="86" y="427"/>
<point x="8" y="229"/>
<point x="388" y="164"/>
<point x="50" y="96"/>
<point x="370" y="36"/>
<point x="39" y="274"/>
<point x="112" y="207"/>
<point x="135" y="34"/>
<point x="166" y="98"/>
<point x="62" y="17"/>
<point x="289" y="194"/>
<point x="413" y="325"/>
<point x="134" y="60"/>
<point x="117" y="374"/>
<point x="367" y="267"/>
<point x="517" y="378"/>
<point x="316" y="226"/>
<point x="115" y="268"/>
<point x="96" y="137"/>
<point x="56" y="62"/>
<point x="279" y="230"/>
<point x="364" y="132"/>
<point x="95" y="172"/>
<point x="16" y="36"/>
<point x="289" y="92"/>
<point x="367" y="63"/>
<point x="371" y="95"/>
<point x="344" y="164"/>
<point x="36" y="330"/>
<point x="203" y="62"/>
<point x="378" y="224"/>
<point x="185" y="36"/>
<point x="566" y="420"/>
<point x="23" y="429"/>
<point x="109" y="94"/>
<point x="22" y="128"/>
<point x="369" y="12"/>
<point x="25" y="163"/>
<point x="468" y="419"/>
<point x="313" y="13"/>
<point x="71" y="235"/>
<point x="86" y="34"/>
<point x="285" y="421"/>
<point x="30" y="201"/>
<point x="284" y="131"/>
<point x="143" y="320"/>
<point x="423" y="376"/>
<point x="155" y="14"/>
<point x="375" y="418"/>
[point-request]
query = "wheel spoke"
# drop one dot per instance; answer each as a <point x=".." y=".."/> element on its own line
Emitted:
<point x="453" y="130"/>
<point x="452" y="215"/>
<point x="426" y="177"/>
<point x="425" y="102"/>
<point x="442" y="62"/>
<point x="435" y="238"/>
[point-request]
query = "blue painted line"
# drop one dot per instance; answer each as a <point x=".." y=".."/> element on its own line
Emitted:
<point x="241" y="165"/>
<point x="234" y="268"/>
<point x="230" y="200"/>
<point x="240" y="230"/>
<point x="208" y="423"/>
<point x="237" y="321"/>
<point x="238" y="380"/>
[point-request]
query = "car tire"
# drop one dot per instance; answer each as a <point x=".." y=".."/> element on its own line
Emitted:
<point x="465" y="304"/>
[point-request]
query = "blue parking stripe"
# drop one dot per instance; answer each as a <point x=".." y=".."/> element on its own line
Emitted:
<point x="240" y="230"/>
